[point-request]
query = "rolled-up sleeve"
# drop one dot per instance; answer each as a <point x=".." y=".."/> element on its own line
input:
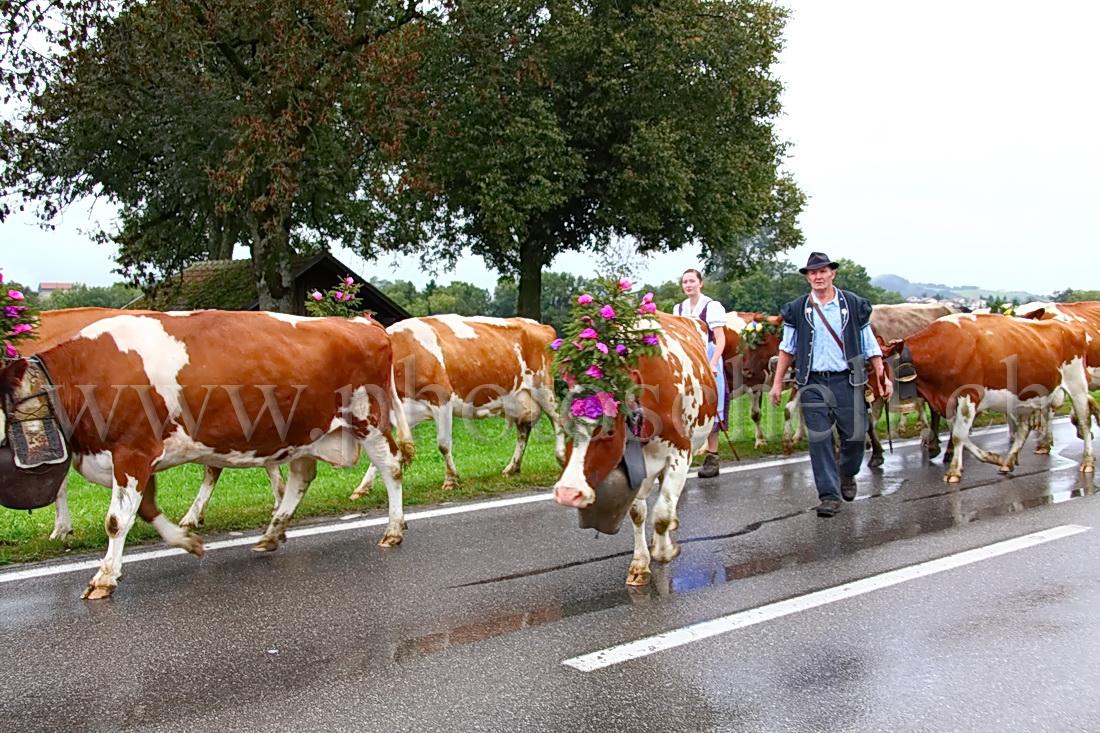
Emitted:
<point x="870" y="345"/>
<point x="789" y="343"/>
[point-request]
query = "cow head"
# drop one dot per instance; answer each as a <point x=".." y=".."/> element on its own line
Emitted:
<point x="10" y="377"/>
<point x="758" y="359"/>
<point x="603" y="474"/>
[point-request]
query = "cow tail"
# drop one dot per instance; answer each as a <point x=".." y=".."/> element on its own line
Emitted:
<point x="405" y="443"/>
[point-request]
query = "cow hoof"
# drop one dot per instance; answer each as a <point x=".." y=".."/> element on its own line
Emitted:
<point x="449" y="485"/>
<point x="97" y="593"/>
<point x="1042" y="450"/>
<point x="193" y="544"/>
<point x="952" y="479"/>
<point x="390" y="540"/>
<point x="510" y="470"/>
<point x="876" y="461"/>
<point x="933" y="451"/>
<point x="664" y="555"/>
<point x="761" y="444"/>
<point x="360" y="493"/>
<point x="266" y="544"/>
<point x="1005" y="469"/>
<point x="637" y="579"/>
<point x="58" y="534"/>
<point x="1087" y="469"/>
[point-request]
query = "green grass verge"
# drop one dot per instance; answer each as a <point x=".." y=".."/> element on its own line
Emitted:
<point x="242" y="500"/>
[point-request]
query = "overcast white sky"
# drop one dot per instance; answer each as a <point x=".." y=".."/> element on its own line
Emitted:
<point x="950" y="142"/>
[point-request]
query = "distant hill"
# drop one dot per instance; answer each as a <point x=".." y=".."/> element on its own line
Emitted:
<point x="907" y="289"/>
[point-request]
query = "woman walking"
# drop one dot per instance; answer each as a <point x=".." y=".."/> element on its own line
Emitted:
<point x="711" y="313"/>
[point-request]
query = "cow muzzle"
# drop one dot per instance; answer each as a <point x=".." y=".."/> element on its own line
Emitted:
<point x="573" y="497"/>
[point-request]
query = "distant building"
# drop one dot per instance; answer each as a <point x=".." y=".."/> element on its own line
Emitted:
<point x="44" y="289"/>
<point x="229" y="285"/>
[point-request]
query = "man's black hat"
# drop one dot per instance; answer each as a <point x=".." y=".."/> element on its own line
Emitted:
<point x="817" y="261"/>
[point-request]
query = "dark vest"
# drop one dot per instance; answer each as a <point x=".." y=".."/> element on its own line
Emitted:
<point x="799" y="313"/>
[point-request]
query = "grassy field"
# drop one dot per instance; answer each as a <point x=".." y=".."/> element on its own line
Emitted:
<point x="242" y="500"/>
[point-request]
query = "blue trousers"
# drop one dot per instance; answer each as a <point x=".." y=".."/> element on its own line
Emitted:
<point x="829" y="400"/>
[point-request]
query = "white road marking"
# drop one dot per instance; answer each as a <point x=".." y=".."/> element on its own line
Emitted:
<point x="706" y="629"/>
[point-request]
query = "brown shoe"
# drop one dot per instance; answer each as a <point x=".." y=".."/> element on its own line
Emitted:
<point x="848" y="487"/>
<point x="828" y="507"/>
<point x="709" y="469"/>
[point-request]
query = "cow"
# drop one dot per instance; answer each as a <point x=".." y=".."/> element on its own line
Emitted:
<point x="56" y="326"/>
<point x="473" y="367"/>
<point x="893" y="322"/>
<point x="967" y="363"/>
<point x="1086" y="313"/>
<point x="142" y="393"/>
<point x="757" y="371"/>
<point x="679" y="401"/>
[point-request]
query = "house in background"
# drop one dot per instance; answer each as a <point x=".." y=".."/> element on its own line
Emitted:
<point x="229" y="285"/>
<point x="44" y="289"/>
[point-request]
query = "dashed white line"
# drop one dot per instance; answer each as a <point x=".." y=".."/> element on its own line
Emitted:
<point x="706" y="629"/>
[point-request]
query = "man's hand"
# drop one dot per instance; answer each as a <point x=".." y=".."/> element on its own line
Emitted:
<point x="775" y="394"/>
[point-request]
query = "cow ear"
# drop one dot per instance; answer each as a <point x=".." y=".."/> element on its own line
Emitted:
<point x="11" y="375"/>
<point x="894" y="347"/>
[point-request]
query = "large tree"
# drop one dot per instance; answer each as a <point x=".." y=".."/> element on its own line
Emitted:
<point x="271" y="123"/>
<point x="559" y="125"/>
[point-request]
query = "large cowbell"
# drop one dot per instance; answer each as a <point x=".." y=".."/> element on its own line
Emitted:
<point x="617" y="492"/>
<point x="29" y="488"/>
<point x="34" y="458"/>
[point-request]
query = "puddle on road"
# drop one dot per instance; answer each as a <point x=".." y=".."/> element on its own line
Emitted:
<point x="946" y="511"/>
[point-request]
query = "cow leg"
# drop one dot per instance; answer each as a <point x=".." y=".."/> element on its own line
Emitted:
<point x="302" y="472"/>
<point x="523" y="432"/>
<point x="876" y="458"/>
<point x="930" y="429"/>
<point x="639" y="575"/>
<point x="1075" y="382"/>
<point x="444" y="421"/>
<point x="131" y="495"/>
<point x="1045" y="428"/>
<point x="756" y="398"/>
<point x="791" y="417"/>
<point x="664" y="548"/>
<point x="196" y="514"/>
<point x="384" y="454"/>
<point x="548" y="403"/>
<point x="1021" y="428"/>
<point x="415" y="413"/>
<point x="62" y="520"/>
<point x="965" y="412"/>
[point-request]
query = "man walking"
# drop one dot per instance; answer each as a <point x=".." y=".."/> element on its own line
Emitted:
<point x="827" y="335"/>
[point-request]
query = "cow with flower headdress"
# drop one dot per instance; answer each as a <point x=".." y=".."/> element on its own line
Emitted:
<point x="642" y="403"/>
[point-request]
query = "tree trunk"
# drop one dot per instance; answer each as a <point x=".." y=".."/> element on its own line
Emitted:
<point x="271" y="266"/>
<point x="529" y="298"/>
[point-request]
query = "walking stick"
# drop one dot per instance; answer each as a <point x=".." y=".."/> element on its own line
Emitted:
<point x="730" y="441"/>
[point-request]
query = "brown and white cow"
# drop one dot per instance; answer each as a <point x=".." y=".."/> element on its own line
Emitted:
<point x="757" y="372"/>
<point x="894" y="322"/>
<point x="143" y="393"/>
<point x="966" y="363"/>
<point x="56" y="326"/>
<point x="679" y="400"/>
<point x="473" y="368"/>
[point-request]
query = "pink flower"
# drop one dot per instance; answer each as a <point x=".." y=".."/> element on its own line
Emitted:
<point x="592" y="409"/>
<point x="11" y="351"/>
<point x="1" y="277"/>
<point x="585" y="299"/>
<point x="601" y="347"/>
<point x="607" y="312"/>
<point x="14" y="311"/>
<point x="647" y="298"/>
<point x="594" y="371"/>
<point x="609" y="406"/>
<point x="24" y="327"/>
<point x="579" y="345"/>
<point x="648" y="308"/>
<point x="569" y="379"/>
<point x="339" y="295"/>
<point x="577" y="408"/>
<point x="317" y="295"/>
<point x="555" y="344"/>
<point x="349" y="282"/>
<point x="620" y="349"/>
<point x="588" y="333"/>
<point x="15" y="295"/>
<point x="650" y="340"/>
<point x="625" y="284"/>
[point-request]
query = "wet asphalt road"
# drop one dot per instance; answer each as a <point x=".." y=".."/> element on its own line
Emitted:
<point x="466" y="626"/>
